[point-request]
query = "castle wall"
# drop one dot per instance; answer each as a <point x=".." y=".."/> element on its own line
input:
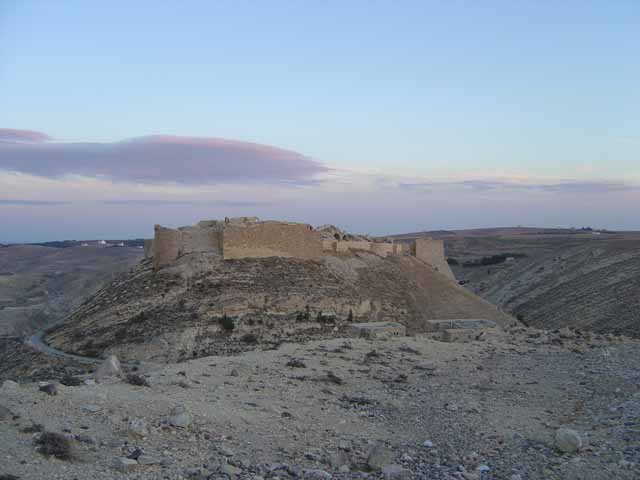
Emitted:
<point x="166" y="246"/>
<point x="272" y="239"/>
<point x="346" y="245"/>
<point x="383" y="249"/>
<point x="330" y="245"/>
<point x="148" y="248"/>
<point x="431" y="252"/>
<point x="169" y="244"/>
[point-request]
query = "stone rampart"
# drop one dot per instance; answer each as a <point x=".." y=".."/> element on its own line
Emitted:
<point x="271" y="239"/>
<point x="431" y="252"/>
<point x="346" y="245"/>
<point x="169" y="244"/>
<point x="383" y="249"/>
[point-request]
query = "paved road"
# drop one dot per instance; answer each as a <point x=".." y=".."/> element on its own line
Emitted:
<point x="35" y="341"/>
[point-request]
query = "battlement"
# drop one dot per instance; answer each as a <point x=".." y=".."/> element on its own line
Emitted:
<point x="249" y="237"/>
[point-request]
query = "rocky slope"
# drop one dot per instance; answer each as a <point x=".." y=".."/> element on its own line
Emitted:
<point x="41" y="284"/>
<point x="180" y="312"/>
<point x="591" y="282"/>
<point x="343" y="408"/>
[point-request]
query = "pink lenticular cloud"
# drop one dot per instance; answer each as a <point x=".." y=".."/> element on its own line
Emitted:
<point x="161" y="159"/>
<point x="27" y="136"/>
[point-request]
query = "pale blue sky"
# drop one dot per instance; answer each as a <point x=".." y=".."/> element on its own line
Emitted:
<point x="532" y="89"/>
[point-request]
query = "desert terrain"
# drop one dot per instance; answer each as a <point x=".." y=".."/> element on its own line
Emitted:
<point x="553" y="277"/>
<point x="39" y="284"/>
<point x="249" y="368"/>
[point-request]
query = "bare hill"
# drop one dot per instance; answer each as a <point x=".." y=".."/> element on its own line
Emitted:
<point x="180" y="312"/>
<point x="41" y="284"/>
<point x="580" y="280"/>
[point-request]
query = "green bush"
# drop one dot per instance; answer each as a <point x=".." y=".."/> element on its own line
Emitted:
<point x="227" y="323"/>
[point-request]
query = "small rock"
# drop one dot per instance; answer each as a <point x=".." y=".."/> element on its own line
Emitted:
<point x="90" y="408"/>
<point x="135" y="454"/>
<point x="180" y="417"/>
<point x="147" y="460"/>
<point x="48" y="388"/>
<point x="316" y="474"/>
<point x="452" y="407"/>
<point x="427" y="444"/>
<point x="109" y="368"/>
<point x="396" y="472"/>
<point x="483" y="468"/>
<point x="86" y="439"/>
<point x="234" y="373"/>
<point x="9" y="386"/>
<point x="339" y="459"/>
<point x="226" y="451"/>
<point x="379" y="457"/>
<point x="137" y="427"/>
<point x="5" y="413"/>
<point x="230" y="470"/>
<point x="344" y="469"/>
<point x="567" y="440"/>
<point x="125" y="465"/>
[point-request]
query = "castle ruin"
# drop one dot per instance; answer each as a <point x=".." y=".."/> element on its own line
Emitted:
<point x="249" y="237"/>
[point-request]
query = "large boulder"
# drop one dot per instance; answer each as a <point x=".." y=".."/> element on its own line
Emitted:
<point x="180" y="417"/>
<point x="568" y="441"/>
<point x="110" y="367"/>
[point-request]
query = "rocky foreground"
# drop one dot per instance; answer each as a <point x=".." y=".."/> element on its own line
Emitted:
<point x="524" y="404"/>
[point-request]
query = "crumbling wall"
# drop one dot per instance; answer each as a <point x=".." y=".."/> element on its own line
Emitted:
<point x="431" y="252"/>
<point x="169" y="243"/>
<point x="346" y="245"/>
<point x="271" y="239"/>
<point x="148" y="247"/>
<point x="383" y="249"/>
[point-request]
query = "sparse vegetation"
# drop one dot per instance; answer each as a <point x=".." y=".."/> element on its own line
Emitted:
<point x="70" y="381"/>
<point x="53" y="444"/>
<point x="227" y="323"/>
<point x="137" y="380"/>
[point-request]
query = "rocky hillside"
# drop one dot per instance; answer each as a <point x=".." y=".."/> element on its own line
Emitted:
<point x="520" y="405"/>
<point x="206" y="306"/>
<point x="552" y="281"/>
<point x="41" y="284"/>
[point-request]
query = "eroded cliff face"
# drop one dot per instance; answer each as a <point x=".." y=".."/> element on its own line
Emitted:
<point x="180" y="312"/>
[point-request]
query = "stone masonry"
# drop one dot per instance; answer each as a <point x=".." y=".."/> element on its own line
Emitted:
<point x="248" y="237"/>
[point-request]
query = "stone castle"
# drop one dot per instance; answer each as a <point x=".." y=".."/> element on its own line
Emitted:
<point x="249" y="237"/>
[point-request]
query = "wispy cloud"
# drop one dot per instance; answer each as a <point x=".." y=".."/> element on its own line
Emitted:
<point x="23" y="136"/>
<point x="40" y="203"/>
<point x="160" y="159"/>
<point x="498" y="185"/>
<point x="213" y="203"/>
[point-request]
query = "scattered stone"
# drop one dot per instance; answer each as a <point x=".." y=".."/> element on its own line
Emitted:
<point x="379" y="457"/>
<point x="86" y="439"/>
<point x="339" y="459"/>
<point x="48" y="388"/>
<point x="90" y="408"/>
<point x="296" y="363"/>
<point x="568" y="441"/>
<point x="135" y="454"/>
<point x="396" y="472"/>
<point x="228" y="469"/>
<point x="180" y="417"/>
<point x="148" y="460"/>
<point x="234" y="373"/>
<point x="9" y="386"/>
<point x="5" y="413"/>
<point x="226" y="451"/>
<point x="70" y="381"/>
<point x="316" y="474"/>
<point x="427" y="444"/>
<point x="452" y="407"/>
<point x="125" y="465"/>
<point x="109" y="368"/>
<point x="137" y="427"/>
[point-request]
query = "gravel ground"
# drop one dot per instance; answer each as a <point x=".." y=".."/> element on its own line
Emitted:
<point x="347" y="408"/>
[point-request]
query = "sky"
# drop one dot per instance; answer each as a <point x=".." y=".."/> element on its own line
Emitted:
<point x="380" y="117"/>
